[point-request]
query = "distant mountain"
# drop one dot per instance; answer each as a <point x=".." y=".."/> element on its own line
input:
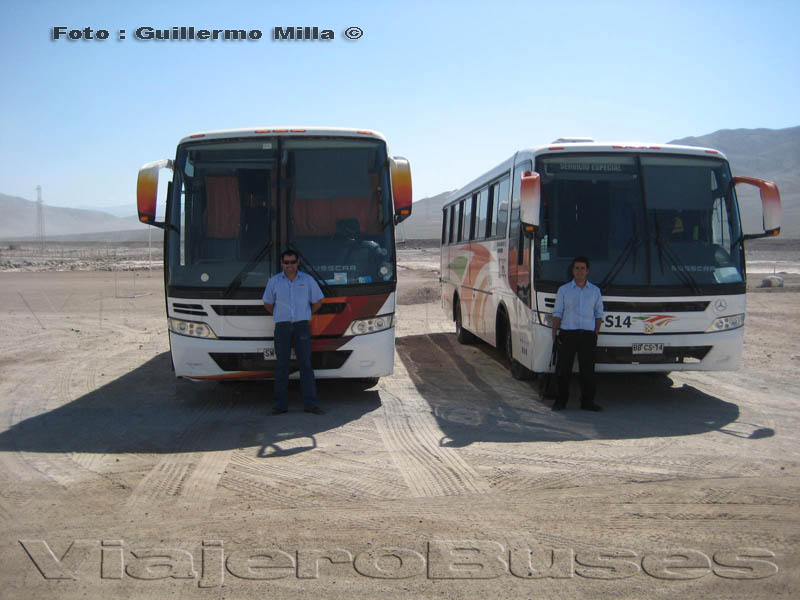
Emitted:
<point x="425" y="222"/>
<point x="119" y="210"/>
<point x="772" y="154"/>
<point x="19" y="220"/>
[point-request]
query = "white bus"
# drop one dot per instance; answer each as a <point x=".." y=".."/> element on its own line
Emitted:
<point x="235" y="201"/>
<point x="660" y="225"/>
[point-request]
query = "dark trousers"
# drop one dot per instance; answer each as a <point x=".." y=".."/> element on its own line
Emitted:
<point x="297" y="334"/>
<point x="582" y="343"/>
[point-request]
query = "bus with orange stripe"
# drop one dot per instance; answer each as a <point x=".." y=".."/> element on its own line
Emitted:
<point x="234" y="201"/>
<point x="660" y="225"/>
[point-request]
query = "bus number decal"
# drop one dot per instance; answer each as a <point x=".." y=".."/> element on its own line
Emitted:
<point x="617" y="321"/>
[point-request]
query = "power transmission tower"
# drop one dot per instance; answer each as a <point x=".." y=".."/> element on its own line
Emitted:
<point x="39" y="218"/>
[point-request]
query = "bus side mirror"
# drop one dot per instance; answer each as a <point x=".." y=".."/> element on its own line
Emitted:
<point x="770" y="206"/>
<point x="147" y="191"/>
<point x="530" y="201"/>
<point x="400" y="171"/>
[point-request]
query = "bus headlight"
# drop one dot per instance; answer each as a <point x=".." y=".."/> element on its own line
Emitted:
<point x="725" y="323"/>
<point x="546" y="319"/>
<point x="371" y="325"/>
<point x="191" y="329"/>
<point x="385" y="271"/>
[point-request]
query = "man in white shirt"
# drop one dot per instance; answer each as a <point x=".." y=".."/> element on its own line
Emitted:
<point x="577" y="316"/>
<point x="292" y="297"/>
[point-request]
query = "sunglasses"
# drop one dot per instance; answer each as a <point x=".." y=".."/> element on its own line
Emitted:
<point x="289" y="262"/>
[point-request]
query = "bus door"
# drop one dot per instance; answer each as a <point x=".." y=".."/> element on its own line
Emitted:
<point x="520" y="273"/>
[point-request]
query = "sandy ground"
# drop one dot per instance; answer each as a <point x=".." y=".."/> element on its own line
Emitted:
<point x="79" y="256"/>
<point x="448" y="479"/>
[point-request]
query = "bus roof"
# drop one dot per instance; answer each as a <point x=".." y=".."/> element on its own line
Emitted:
<point x="588" y="145"/>
<point x="579" y="145"/>
<point x="283" y="131"/>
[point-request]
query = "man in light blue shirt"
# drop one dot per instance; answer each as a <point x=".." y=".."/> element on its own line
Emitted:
<point x="577" y="316"/>
<point x="292" y="297"/>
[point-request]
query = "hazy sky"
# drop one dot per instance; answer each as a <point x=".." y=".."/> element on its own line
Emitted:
<point x="455" y="87"/>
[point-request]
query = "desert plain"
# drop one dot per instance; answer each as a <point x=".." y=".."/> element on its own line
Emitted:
<point x="448" y="479"/>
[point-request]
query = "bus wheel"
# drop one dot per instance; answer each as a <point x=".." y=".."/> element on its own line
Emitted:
<point x="368" y="382"/>
<point x="464" y="336"/>
<point x="517" y="369"/>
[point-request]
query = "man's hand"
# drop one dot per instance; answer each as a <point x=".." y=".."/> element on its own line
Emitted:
<point x="556" y="325"/>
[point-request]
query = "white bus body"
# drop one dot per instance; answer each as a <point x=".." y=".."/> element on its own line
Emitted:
<point x="238" y="198"/>
<point x="660" y="225"/>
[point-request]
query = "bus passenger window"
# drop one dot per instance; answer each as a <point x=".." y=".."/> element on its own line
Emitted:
<point x="460" y="220"/>
<point x="451" y="217"/>
<point x="467" y="223"/>
<point x="500" y="220"/>
<point x="482" y="208"/>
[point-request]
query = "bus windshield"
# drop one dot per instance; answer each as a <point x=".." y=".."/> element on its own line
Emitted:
<point x="341" y="209"/>
<point x="237" y="202"/>
<point x="642" y="220"/>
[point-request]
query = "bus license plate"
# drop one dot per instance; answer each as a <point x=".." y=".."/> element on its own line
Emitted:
<point x="269" y="353"/>
<point x="648" y="348"/>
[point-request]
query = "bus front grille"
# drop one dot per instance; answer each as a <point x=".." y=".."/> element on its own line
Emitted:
<point x="254" y="361"/>
<point x="620" y="355"/>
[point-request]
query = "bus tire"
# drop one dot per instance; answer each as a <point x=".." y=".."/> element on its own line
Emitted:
<point x="463" y="336"/>
<point x="517" y="369"/>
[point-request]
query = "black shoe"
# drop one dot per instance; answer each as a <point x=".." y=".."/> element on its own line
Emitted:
<point x="279" y="411"/>
<point x="592" y="407"/>
<point x="315" y="410"/>
<point x="559" y="406"/>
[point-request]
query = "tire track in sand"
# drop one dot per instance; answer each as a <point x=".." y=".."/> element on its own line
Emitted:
<point x="189" y="477"/>
<point x="413" y="439"/>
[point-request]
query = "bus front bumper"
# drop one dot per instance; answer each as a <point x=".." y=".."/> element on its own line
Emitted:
<point x="717" y="351"/>
<point x="363" y="356"/>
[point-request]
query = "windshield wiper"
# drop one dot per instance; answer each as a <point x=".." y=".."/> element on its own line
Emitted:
<point x="616" y="268"/>
<point x="630" y="248"/>
<point x="326" y="289"/>
<point x="237" y="281"/>
<point x="664" y="249"/>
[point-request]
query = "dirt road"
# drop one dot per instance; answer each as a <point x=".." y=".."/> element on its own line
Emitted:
<point x="447" y="480"/>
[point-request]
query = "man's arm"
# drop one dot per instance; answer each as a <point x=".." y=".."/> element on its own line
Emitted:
<point x="558" y="313"/>
<point x="316" y="295"/>
<point x="598" y="312"/>
<point x="556" y="325"/>
<point x="268" y="297"/>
